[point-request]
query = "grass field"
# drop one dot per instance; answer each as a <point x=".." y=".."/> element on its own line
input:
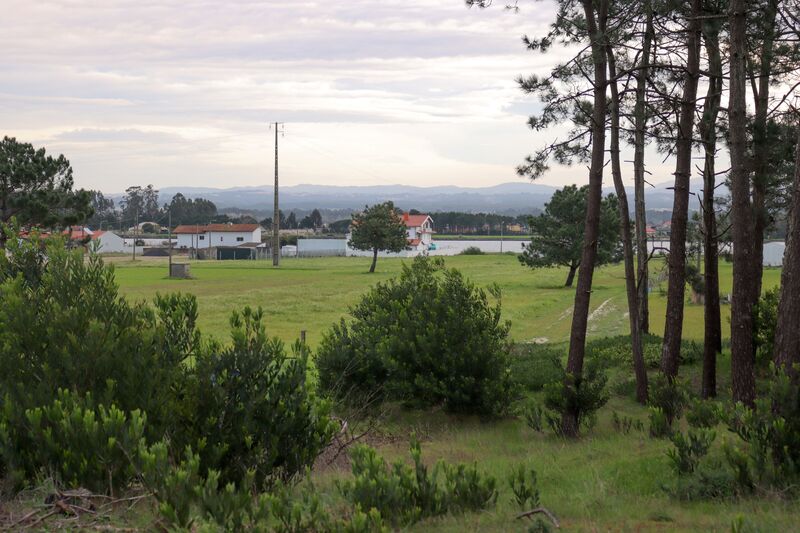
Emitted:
<point x="311" y="294"/>
<point x="606" y="481"/>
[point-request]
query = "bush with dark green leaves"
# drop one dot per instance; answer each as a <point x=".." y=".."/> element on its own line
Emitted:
<point x="667" y="400"/>
<point x="247" y="407"/>
<point x="189" y="500"/>
<point x="427" y="338"/>
<point x="535" y="365"/>
<point x="616" y="351"/>
<point x="765" y="317"/>
<point x="770" y="431"/>
<point x="404" y="495"/>
<point x="63" y="325"/>
<point x="472" y="250"/>
<point x="72" y="440"/>
<point x="581" y="396"/>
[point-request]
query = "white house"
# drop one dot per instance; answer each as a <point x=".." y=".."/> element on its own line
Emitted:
<point x="107" y="241"/>
<point x="419" y="230"/>
<point x="419" y="237"/>
<point x="207" y="236"/>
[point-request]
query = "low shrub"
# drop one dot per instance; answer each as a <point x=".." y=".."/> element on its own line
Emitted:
<point x="770" y="432"/>
<point x="667" y="400"/>
<point x="247" y="407"/>
<point x="765" y="317"/>
<point x="524" y="486"/>
<point x="704" y="413"/>
<point x="535" y="365"/>
<point x="427" y="338"/>
<point x="63" y="325"/>
<point x="689" y="449"/>
<point x="472" y="250"/>
<point x="580" y="396"/>
<point x="72" y="440"/>
<point x="624" y="424"/>
<point x="533" y="414"/>
<point x="616" y="351"/>
<point x="404" y="495"/>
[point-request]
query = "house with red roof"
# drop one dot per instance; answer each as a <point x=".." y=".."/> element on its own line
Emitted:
<point x="419" y="229"/>
<point x="105" y="241"/>
<point x="197" y="236"/>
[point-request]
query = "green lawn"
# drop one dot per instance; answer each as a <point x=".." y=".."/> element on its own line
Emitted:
<point x="311" y="294"/>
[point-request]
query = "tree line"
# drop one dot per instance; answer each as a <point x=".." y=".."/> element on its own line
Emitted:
<point x="676" y="77"/>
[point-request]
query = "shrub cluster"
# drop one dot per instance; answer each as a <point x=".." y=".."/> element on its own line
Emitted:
<point x="404" y="495"/>
<point x="616" y="351"/>
<point x="580" y="397"/>
<point x="88" y="375"/>
<point x="427" y="338"/>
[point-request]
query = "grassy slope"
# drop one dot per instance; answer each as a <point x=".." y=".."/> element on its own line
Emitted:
<point x="311" y="294"/>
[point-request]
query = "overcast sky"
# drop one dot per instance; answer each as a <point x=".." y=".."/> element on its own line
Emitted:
<point x="418" y="92"/>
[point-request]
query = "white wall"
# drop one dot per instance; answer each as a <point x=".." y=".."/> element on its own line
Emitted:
<point x="110" y="242"/>
<point x="217" y="238"/>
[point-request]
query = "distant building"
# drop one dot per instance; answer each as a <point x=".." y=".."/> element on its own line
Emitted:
<point x="106" y="241"/>
<point x="419" y="229"/>
<point x="212" y="235"/>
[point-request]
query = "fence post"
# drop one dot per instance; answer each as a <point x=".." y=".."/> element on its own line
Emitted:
<point x="303" y="336"/>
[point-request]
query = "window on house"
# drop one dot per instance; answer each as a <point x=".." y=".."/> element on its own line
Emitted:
<point x="239" y="239"/>
<point x="202" y="237"/>
<point x="220" y="238"/>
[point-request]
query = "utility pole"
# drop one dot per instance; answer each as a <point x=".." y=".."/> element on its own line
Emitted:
<point x="135" y="232"/>
<point x="169" y="223"/>
<point x="276" y="217"/>
<point x="502" y="225"/>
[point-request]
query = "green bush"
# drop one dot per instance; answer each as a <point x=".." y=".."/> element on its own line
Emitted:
<point x="765" y="318"/>
<point x="616" y="351"/>
<point x="771" y="435"/>
<point x="581" y="396"/>
<point x="472" y="250"/>
<point x="404" y="495"/>
<point x="524" y="486"/>
<point x="535" y="365"/>
<point x="704" y="413"/>
<point x="187" y="500"/>
<point x="667" y="400"/>
<point x="429" y="337"/>
<point x="71" y="440"/>
<point x="63" y="325"/>
<point x="689" y="449"/>
<point x="247" y="407"/>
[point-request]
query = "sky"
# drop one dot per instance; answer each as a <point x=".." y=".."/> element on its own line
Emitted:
<point x="182" y="93"/>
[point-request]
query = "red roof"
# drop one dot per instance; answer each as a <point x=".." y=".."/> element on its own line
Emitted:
<point x="217" y="228"/>
<point x="79" y="234"/>
<point x="415" y="221"/>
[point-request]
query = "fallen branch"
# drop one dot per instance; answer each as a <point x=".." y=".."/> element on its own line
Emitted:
<point x="542" y="510"/>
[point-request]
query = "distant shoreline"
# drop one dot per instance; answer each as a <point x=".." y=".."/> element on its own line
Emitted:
<point x="447" y="237"/>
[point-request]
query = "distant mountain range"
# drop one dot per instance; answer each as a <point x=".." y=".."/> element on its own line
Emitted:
<point x="506" y="198"/>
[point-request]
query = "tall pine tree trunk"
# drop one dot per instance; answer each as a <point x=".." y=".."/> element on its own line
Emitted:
<point x="673" y="329"/>
<point x="596" y="12"/>
<point x="627" y="240"/>
<point x="640" y="129"/>
<point x="742" y="354"/>
<point x="787" y="329"/>
<point x="760" y="142"/>
<point x="712" y="344"/>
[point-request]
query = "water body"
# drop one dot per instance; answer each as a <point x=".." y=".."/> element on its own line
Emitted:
<point x="445" y="247"/>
